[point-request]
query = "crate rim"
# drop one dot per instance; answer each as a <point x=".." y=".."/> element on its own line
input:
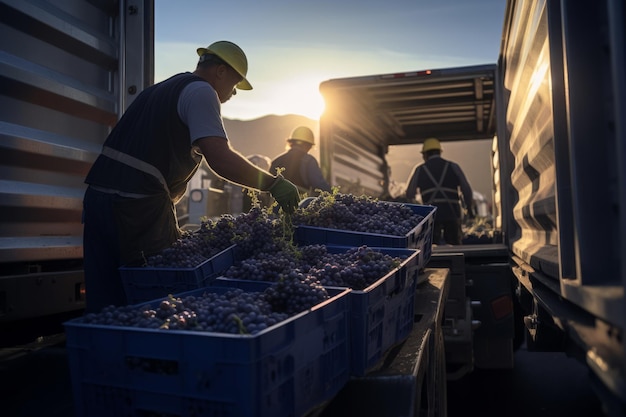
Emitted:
<point x="76" y="322"/>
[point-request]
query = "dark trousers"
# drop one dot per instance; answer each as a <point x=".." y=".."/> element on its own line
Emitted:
<point x="101" y="251"/>
<point x="447" y="232"/>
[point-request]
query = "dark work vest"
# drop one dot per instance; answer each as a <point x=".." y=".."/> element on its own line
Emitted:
<point x="151" y="131"/>
<point x="292" y="162"/>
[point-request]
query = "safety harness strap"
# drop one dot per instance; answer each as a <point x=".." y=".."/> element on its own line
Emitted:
<point x="438" y="189"/>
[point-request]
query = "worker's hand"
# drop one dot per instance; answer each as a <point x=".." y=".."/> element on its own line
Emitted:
<point x="285" y="193"/>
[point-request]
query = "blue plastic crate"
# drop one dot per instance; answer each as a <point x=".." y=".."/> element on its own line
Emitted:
<point x="285" y="370"/>
<point x="381" y="315"/>
<point x="420" y="237"/>
<point x="143" y="284"/>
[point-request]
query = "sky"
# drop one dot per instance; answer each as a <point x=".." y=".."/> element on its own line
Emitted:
<point x="293" y="46"/>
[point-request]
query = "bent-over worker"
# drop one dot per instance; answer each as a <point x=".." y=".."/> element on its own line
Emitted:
<point x="149" y="157"/>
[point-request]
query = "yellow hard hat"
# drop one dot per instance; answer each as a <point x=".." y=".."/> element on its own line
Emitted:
<point x="233" y="56"/>
<point x="431" y="144"/>
<point x="303" y="134"/>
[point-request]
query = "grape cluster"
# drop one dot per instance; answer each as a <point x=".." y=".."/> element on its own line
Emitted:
<point x="259" y="231"/>
<point x="356" y="268"/>
<point x="479" y="230"/>
<point x="264" y="266"/>
<point x="357" y="213"/>
<point x="186" y="252"/>
<point x="295" y="292"/>
<point x="234" y="311"/>
<point x="256" y="231"/>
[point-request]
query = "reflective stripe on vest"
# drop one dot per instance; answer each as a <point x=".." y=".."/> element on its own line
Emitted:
<point x="133" y="162"/>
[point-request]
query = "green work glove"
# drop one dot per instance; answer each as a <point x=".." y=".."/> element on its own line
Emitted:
<point x="285" y="193"/>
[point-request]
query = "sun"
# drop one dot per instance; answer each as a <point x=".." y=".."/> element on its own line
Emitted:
<point x="308" y="100"/>
<point x="301" y="95"/>
<point x="295" y="94"/>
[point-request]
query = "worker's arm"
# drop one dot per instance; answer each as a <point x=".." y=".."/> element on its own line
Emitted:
<point x="411" y="188"/>
<point x="466" y="189"/>
<point x="234" y="167"/>
<point x="314" y="175"/>
<point x="231" y="165"/>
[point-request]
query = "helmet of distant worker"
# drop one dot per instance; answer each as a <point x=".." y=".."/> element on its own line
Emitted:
<point x="232" y="55"/>
<point x="431" y="144"/>
<point x="302" y="134"/>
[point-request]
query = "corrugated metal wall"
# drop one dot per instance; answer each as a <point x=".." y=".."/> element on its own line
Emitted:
<point x="352" y="153"/>
<point x="529" y="122"/>
<point x="357" y="165"/>
<point x="67" y="68"/>
<point x="564" y="66"/>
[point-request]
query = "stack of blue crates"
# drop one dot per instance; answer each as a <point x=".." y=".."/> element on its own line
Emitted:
<point x="381" y="315"/>
<point x="285" y="370"/>
<point x="420" y="237"/>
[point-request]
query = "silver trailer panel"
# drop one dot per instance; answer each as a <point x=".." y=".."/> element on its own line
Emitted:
<point x="566" y="134"/>
<point x="563" y="69"/>
<point x="68" y="69"/>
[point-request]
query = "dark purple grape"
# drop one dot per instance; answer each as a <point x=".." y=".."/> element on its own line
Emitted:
<point x="295" y="292"/>
<point x="257" y="231"/>
<point x="358" y="214"/>
<point x="356" y="268"/>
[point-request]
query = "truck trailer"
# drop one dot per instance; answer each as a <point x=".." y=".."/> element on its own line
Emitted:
<point x="68" y="71"/>
<point x="552" y="107"/>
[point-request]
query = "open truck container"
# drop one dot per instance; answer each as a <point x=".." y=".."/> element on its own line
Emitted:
<point x="554" y="108"/>
<point x="365" y="116"/>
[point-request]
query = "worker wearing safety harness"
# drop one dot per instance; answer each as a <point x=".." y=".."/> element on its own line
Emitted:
<point x="441" y="183"/>
<point x="147" y="160"/>
<point x="300" y="167"/>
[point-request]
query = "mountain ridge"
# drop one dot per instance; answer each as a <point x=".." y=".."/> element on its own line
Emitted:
<point x="267" y="136"/>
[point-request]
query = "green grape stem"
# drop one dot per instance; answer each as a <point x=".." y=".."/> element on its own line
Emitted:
<point x="242" y="328"/>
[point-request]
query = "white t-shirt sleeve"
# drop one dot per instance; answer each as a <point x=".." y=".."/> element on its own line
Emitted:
<point x="199" y="108"/>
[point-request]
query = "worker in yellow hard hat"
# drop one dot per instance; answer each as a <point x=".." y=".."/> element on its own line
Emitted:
<point x="441" y="183"/>
<point x="298" y="165"/>
<point x="149" y="157"/>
